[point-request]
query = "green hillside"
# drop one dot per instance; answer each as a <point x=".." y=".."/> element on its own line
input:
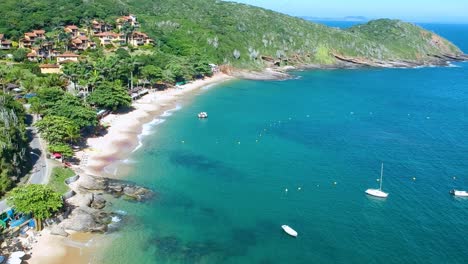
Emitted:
<point x="231" y="33"/>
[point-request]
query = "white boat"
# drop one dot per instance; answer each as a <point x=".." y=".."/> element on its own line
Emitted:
<point x="378" y="192"/>
<point x="459" y="193"/>
<point x="289" y="230"/>
<point x="203" y="115"/>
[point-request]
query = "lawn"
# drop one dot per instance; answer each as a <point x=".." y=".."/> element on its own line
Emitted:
<point x="58" y="177"/>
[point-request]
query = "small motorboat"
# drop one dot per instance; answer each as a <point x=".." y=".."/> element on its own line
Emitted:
<point x="289" y="230"/>
<point x="459" y="193"/>
<point x="203" y="115"/>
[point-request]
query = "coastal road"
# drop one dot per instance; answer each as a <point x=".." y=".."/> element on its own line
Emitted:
<point x="40" y="171"/>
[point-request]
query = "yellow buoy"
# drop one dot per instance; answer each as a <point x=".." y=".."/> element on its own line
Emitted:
<point x="335" y="183"/>
<point x="286" y="190"/>
<point x="414" y="178"/>
<point x="454" y="178"/>
<point x="183" y="141"/>
<point x="298" y="188"/>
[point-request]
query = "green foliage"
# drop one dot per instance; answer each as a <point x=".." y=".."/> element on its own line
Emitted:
<point x="58" y="129"/>
<point x="58" y="177"/>
<point x="61" y="148"/>
<point x="110" y="95"/>
<point x="152" y="73"/>
<point x="13" y="142"/>
<point x="19" y="55"/>
<point x="72" y="108"/>
<point x="40" y="200"/>
<point x="322" y="56"/>
<point x="220" y="29"/>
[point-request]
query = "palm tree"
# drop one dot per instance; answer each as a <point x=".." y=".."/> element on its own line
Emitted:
<point x="127" y="29"/>
<point x="64" y="39"/>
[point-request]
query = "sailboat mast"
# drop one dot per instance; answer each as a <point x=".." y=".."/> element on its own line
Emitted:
<point x="381" y="176"/>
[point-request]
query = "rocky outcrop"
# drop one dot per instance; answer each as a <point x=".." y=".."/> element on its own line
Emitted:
<point x="57" y="230"/>
<point x="88" y="219"/>
<point x="116" y="188"/>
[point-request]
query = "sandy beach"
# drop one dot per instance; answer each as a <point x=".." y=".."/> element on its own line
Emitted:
<point x="118" y="143"/>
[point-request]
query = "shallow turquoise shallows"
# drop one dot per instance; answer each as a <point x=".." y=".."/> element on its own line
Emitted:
<point x="302" y="152"/>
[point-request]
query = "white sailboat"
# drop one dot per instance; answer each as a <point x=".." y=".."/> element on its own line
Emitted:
<point x="378" y="192"/>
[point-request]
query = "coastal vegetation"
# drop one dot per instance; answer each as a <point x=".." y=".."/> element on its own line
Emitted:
<point x="58" y="177"/>
<point x="13" y="142"/>
<point x="71" y="59"/>
<point x="39" y="200"/>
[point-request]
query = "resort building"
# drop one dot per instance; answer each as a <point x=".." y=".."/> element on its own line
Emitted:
<point x="99" y="27"/>
<point x="72" y="30"/>
<point x="34" y="55"/>
<point x="130" y="19"/>
<point x="4" y="43"/>
<point x="110" y="38"/>
<point x="50" y="69"/>
<point x="82" y="43"/>
<point x="67" y="57"/>
<point x="30" y="37"/>
<point x="139" y="38"/>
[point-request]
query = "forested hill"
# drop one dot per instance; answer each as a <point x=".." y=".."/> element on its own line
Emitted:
<point x="235" y="34"/>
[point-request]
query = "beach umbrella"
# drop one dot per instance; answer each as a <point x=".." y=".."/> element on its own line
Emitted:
<point x="17" y="254"/>
<point x="14" y="261"/>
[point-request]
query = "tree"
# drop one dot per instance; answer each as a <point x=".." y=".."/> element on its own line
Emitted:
<point x="19" y="55"/>
<point x="39" y="200"/>
<point x="110" y="95"/>
<point x="152" y="73"/>
<point x="72" y="108"/>
<point x="58" y="129"/>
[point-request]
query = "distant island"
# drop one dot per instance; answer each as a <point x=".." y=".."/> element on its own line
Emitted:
<point x="346" y="18"/>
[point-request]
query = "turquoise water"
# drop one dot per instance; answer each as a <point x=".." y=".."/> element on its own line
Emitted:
<point x="221" y="183"/>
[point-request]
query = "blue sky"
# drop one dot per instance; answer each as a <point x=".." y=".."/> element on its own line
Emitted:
<point x="411" y="10"/>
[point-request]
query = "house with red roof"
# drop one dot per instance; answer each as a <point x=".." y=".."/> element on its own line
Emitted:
<point x="139" y="38"/>
<point x="110" y="38"/>
<point x="67" y="57"/>
<point x="130" y="19"/>
<point x="5" y="44"/>
<point x="30" y="37"/>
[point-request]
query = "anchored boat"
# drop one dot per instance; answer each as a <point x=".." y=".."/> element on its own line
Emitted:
<point x="203" y="115"/>
<point x="459" y="193"/>
<point x="378" y="192"/>
<point x="289" y="230"/>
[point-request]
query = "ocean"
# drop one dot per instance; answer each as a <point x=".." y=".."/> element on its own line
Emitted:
<point x="302" y="152"/>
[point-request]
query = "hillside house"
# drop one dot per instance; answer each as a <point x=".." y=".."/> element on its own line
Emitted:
<point x="99" y="27"/>
<point x="110" y="38"/>
<point x="50" y="69"/>
<point x="73" y="30"/>
<point x="82" y="43"/>
<point x="130" y="19"/>
<point x="30" y="37"/>
<point x="139" y="38"/>
<point x="4" y="43"/>
<point x="67" y="57"/>
<point x="35" y="55"/>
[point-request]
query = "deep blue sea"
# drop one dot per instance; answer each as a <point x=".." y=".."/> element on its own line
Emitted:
<point x="302" y="152"/>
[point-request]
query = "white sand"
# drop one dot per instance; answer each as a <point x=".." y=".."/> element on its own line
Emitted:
<point x="116" y="144"/>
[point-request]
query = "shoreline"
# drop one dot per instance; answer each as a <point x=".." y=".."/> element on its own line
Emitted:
<point x="123" y="137"/>
<point x="121" y="140"/>
<point x="126" y="130"/>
